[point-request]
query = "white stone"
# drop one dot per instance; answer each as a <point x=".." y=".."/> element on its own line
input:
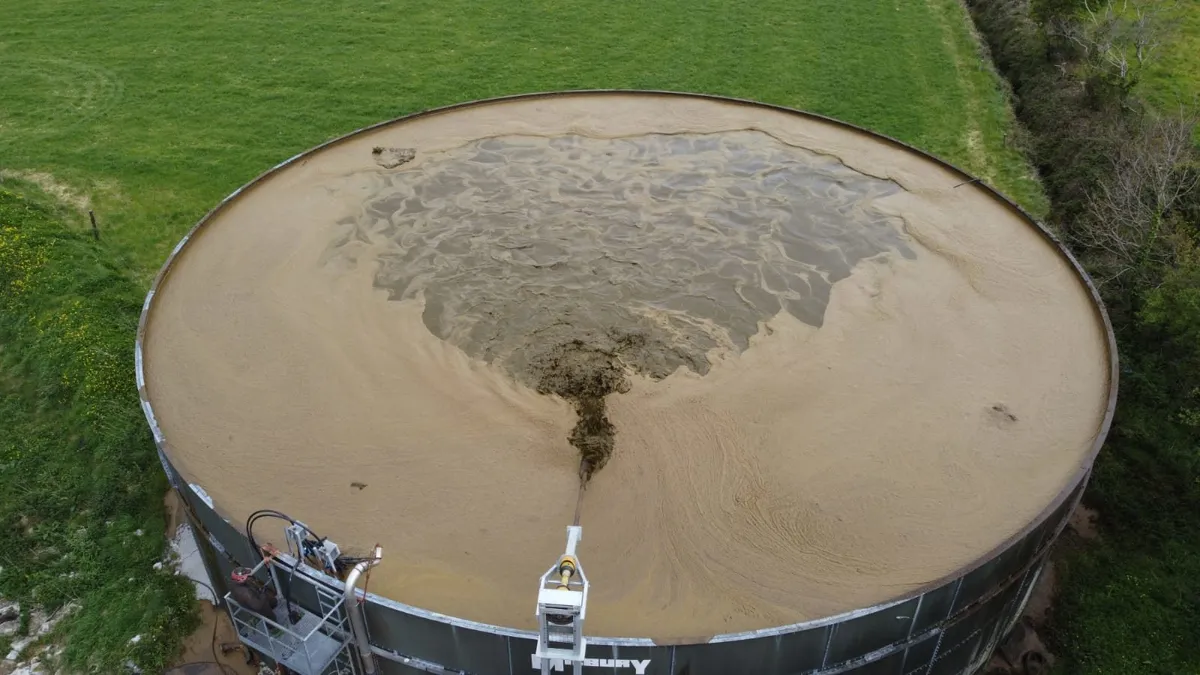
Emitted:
<point x="48" y="624"/>
<point x="37" y="619"/>
<point x="34" y="667"/>
<point x="18" y="646"/>
<point x="9" y="610"/>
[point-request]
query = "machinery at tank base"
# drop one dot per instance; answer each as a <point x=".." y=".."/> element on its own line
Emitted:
<point x="948" y="630"/>
<point x="318" y="637"/>
<point x="949" y="627"/>
<point x="304" y="642"/>
<point x="332" y="639"/>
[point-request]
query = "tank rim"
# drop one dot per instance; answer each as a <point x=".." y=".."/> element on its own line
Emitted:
<point x="1079" y="477"/>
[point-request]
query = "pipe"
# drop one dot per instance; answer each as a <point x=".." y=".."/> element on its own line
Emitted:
<point x="358" y="625"/>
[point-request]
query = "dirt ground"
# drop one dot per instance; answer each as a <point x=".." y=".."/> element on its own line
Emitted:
<point x="199" y="647"/>
<point x="197" y="656"/>
<point x="174" y="512"/>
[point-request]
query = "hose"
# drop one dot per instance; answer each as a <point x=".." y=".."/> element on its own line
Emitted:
<point x="271" y="513"/>
<point x="212" y="643"/>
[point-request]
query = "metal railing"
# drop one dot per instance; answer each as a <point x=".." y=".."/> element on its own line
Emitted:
<point x="311" y="644"/>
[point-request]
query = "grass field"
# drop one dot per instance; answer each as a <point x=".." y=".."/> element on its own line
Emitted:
<point x="160" y="109"/>
<point x="80" y="489"/>
<point x="1173" y="77"/>
<point x="151" y="112"/>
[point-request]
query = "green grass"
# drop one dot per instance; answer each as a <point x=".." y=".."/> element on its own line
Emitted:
<point x="156" y="111"/>
<point x="1173" y="77"/>
<point x="1126" y="607"/>
<point x="80" y="487"/>
<point x="161" y="109"/>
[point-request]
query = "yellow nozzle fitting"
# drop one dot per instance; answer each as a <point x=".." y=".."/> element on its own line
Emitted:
<point x="566" y="569"/>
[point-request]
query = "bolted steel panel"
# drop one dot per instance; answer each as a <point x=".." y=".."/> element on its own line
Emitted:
<point x="866" y="634"/>
<point x="797" y="652"/>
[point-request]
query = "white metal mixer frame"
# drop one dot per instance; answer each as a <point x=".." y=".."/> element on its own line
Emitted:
<point x="562" y="608"/>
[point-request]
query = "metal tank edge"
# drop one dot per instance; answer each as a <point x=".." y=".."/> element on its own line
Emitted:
<point x="948" y="627"/>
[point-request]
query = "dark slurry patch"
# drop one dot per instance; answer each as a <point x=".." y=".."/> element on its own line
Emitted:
<point x="572" y="260"/>
<point x="584" y="373"/>
<point x="519" y="243"/>
<point x="1001" y="415"/>
<point x="390" y="158"/>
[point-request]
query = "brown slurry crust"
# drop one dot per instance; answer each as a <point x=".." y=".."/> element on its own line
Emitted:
<point x="584" y="373"/>
<point x="518" y="243"/>
<point x="390" y="158"/>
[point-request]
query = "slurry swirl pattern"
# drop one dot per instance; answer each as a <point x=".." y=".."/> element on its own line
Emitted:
<point x="687" y="242"/>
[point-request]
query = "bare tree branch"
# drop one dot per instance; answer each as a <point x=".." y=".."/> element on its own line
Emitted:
<point x="1129" y="212"/>
<point x="1120" y="34"/>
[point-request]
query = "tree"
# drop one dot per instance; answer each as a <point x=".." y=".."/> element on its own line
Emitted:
<point x="1118" y="36"/>
<point x="1131" y="226"/>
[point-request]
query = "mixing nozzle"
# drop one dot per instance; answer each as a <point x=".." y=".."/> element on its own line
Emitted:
<point x="566" y="570"/>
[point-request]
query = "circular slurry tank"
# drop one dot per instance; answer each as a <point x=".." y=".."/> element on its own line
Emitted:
<point x="835" y="397"/>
